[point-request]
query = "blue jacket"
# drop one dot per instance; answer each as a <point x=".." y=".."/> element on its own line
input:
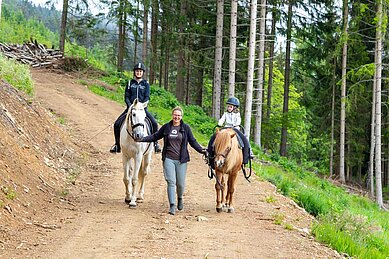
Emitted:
<point x="187" y="137"/>
<point x="135" y="90"/>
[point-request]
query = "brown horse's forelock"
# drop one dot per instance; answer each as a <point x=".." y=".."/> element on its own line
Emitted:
<point x="223" y="141"/>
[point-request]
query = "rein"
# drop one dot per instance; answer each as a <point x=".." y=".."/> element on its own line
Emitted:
<point x="244" y="171"/>
<point x="211" y="173"/>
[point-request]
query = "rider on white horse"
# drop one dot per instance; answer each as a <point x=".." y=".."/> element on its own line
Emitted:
<point x="137" y="88"/>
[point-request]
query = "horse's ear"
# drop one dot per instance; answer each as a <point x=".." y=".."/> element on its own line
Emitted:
<point x="145" y="104"/>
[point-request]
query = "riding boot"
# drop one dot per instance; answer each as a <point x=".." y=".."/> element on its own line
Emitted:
<point x="115" y="149"/>
<point x="157" y="148"/>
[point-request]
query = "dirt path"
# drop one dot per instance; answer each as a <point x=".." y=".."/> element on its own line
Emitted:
<point x="102" y="225"/>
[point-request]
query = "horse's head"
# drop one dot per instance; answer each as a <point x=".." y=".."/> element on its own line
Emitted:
<point x="136" y="119"/>
<point x="223" y="145"/>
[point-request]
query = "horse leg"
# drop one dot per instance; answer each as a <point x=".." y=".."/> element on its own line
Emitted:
<point x="228" y="196"/>
<point x="143" y="172"/>
<point x="127" y="168"/>
<point x="231" y="189"/>
<point x="141" y="177"/>
<point x="134" y="180"/>
<point x="224" y="193"/>
<point x="219" y="192"/>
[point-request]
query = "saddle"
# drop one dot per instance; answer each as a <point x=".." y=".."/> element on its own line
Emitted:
<point x="240" y="141"/>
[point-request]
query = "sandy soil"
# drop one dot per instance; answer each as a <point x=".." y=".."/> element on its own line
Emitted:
<point x="98" y="224"/>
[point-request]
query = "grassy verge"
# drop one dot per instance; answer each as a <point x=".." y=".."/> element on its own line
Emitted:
<point x="17" y="75"/>
<point x="346" y="222"/>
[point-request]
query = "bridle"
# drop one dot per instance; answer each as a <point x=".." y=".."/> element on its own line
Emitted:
<point x="133" y="126"/>
<point x="224" y="153"/>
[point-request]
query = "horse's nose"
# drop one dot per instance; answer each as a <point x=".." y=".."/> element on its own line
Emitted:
<point x="219" y="163"/>
<point x="139" y="135"/>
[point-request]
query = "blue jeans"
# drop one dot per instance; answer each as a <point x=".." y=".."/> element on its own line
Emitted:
<point x="175" y="174"/>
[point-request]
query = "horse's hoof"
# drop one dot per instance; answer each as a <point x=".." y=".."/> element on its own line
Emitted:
<point x="231" y="210"/>
<point x="132" y="206"/>
<point x="219" y="210"/>
<point x="127" y="201"/>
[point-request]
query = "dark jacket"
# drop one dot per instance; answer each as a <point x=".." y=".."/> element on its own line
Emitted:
<point x="187" y="137"/>
<point x="135" y="90"/>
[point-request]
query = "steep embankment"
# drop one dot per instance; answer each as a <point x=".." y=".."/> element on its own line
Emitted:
<point x="37" y="159"/>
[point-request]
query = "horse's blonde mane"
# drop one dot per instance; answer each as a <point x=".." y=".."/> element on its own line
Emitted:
<point x="227" y="138"/>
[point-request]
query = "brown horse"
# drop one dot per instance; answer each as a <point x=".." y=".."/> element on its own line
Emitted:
<point x="228" y="161"/>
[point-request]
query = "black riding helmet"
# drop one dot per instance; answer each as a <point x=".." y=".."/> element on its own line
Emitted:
<point x="139" y="66"/>
<point x="233" y="101"/>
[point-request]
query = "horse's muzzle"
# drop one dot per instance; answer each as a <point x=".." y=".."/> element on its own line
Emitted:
<point x="219" y="163"/>
<point x="138" y="136"/>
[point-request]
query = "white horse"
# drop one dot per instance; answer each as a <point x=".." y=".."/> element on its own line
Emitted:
<point x="136" y="156"/>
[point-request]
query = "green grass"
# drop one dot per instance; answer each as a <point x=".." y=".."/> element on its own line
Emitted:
<point x="348" y="223"/>
<point x="17" y="75"/>
<point x="278" y="218"/>
<point x="270" y="199"/>
<point x="9" y="193"/>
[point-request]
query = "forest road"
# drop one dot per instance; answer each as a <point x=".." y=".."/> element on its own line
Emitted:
<point x="103" y="226"/>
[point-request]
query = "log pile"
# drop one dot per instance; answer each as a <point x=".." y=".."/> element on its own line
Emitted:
<point x="32" y="53"/>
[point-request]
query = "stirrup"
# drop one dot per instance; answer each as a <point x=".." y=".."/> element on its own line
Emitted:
<point x="115" y="149"/>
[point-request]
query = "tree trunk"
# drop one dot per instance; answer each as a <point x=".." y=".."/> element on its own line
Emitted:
<point x="187" y="80"/>
<point x="144" y="40"/>
<point x="199" y="79"/>
<point x="122" y="34"/>
<point x="0" y="8"/>
<point x="136" y="34"/>
<point x="216" y="96"/>
<point x="232" y="64"/>
<point x="166" y="69"/>
<point x="64" y="19"/>
<point x="154" y="33"/>
<point x="285" y="109"/>
<point x="378" y="73"/>
<point x="333" y="119"/>
<point x="181" y="66"/>
<point x="372" y="138"/>
<point x="161" y="66"/>
<point x="387" y="167"/>
<point x="250" y="68"/>
<point x="271" y="63"/>
<point x="343" y="94"/>
<point x="261" y="70"/>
